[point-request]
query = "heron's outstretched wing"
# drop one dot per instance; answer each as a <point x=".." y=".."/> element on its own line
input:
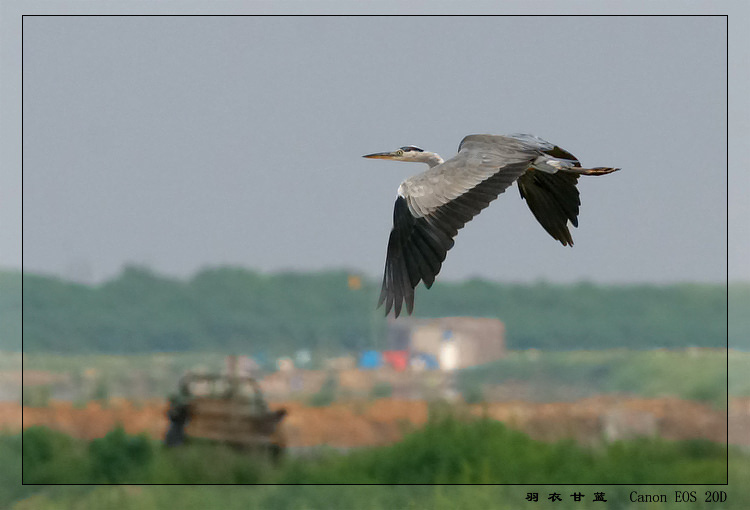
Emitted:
<point x="434" y="205"/>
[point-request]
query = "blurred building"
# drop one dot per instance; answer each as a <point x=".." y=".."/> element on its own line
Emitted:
<point x="454" y="342"/>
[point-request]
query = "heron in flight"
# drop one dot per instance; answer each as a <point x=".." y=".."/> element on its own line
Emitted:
<point x="432" y="206"/>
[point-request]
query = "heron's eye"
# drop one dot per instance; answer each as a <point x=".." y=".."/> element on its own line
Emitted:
<point x="400" y="152"/>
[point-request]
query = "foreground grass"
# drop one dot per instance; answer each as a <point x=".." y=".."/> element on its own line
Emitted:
<point x="486" y="452"/>
<point x="449" y="450"/>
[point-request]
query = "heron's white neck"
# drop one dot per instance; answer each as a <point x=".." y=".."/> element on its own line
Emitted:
<point x="431" y="158"/>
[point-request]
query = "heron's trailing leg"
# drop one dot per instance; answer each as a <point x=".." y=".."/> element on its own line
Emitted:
<point x="600" y="170"/>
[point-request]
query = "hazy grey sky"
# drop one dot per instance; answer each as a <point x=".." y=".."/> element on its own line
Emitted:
<point x="181" y="142"/>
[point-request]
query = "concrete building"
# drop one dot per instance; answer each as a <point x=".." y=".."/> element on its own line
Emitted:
<point x="454" y="342"/>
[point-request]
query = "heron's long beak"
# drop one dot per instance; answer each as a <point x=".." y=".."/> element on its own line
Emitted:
<point x="380" y="155"/>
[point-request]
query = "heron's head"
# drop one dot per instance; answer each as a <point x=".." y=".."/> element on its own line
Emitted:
<point x="408" y="153"/>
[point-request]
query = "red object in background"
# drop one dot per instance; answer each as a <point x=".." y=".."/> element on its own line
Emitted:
<point x="399" y="360"/>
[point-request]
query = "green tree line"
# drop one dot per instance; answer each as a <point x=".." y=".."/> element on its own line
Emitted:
<point x="239" y="310"/>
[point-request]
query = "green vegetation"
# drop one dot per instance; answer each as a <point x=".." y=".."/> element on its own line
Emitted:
<point x="37" y="396"/>
<point x="327" y="393"/>
<point x="231" y="309"/>
<point x="381" y="389"/>
<point x="116" y="366"/>
<point x="10" y="470"/>
<point x="692" y="374"/>
<point x="10" y="311"/>
<point x="53" y="457"/>
<point x="447" y="450"/>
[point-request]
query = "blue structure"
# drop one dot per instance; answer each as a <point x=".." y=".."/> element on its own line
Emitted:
<point x="370" y="359"/>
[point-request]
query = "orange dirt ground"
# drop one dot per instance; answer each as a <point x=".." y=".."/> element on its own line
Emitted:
<point x="385" y="421"/>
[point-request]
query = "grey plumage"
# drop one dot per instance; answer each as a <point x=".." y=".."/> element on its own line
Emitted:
<point x="434" y="205"/>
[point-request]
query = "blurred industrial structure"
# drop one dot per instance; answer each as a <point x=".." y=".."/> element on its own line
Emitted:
<point x="449" y="343"/>
<point x="418" y="360"/>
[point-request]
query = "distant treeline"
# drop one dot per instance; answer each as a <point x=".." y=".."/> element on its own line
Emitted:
<point x="232" y="309"/>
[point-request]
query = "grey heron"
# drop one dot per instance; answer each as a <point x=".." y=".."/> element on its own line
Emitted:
<point x="432" y="206"/>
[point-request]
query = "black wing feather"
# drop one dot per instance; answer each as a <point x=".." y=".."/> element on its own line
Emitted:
<point x="553" y="200"/>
